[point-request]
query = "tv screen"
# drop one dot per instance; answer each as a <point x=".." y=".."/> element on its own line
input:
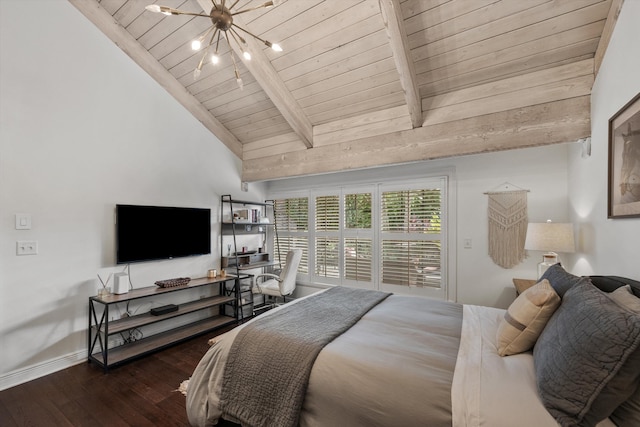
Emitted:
<point x="147" y="233"/>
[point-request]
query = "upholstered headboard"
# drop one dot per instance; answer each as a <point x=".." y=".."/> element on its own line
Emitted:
<point x="611" y="283"/>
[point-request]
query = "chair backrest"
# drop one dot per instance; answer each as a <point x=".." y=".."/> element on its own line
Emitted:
<point x="289" y="272"/>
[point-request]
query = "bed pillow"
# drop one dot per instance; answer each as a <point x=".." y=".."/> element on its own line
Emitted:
<point x="587" y="359"/>
<point x="627" y="414"/>
<point x="624" y="297"/>
<point x="560" y="279"/>
<point x="526" y="318"/>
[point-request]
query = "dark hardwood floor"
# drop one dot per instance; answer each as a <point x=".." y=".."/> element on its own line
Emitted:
<point x="139" y="393"/>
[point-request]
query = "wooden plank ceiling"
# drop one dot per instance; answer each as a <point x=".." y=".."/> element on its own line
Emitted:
<point x="364" y="83"/>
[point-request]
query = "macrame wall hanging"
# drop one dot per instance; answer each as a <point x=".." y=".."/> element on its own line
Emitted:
<point x="507" y="224"/>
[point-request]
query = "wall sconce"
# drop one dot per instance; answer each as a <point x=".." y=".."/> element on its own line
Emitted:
<point x="551" y="238"/>
<point x="586" y="147"/>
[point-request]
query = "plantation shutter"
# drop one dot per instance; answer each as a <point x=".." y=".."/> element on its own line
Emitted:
<point x="292" y="219"/>
<point x="358" y="237"/>
<point x="327" y="229"/>
<point x="411" y="232"/>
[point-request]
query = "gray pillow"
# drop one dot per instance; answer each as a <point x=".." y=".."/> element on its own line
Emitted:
<point x="627" y="414"/>
<point x="561" y="281"/>
<point x="587" y="359"/>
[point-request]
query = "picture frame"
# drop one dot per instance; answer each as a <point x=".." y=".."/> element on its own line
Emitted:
<point x="624" y="161"/>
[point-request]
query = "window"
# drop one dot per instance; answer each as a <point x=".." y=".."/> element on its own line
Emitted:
<point x="410" y="232"/>
<point x="292" y="219"/>
<point x="385" y="236"/>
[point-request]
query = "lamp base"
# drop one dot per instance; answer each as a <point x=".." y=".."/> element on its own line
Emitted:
<point x="548" y="260"/>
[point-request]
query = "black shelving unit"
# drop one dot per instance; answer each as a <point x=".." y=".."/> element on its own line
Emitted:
<point x="101" y="327"/>
<point x="246" y="218"/>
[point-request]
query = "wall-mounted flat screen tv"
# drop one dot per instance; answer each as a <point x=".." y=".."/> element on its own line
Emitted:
<point x="147" y="233"/>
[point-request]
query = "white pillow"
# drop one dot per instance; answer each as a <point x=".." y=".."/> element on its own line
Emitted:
<point x="526" y="318"/>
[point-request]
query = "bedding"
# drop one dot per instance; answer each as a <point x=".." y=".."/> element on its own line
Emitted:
<point x="413" y="361"/>
<point x="283" y="348"/>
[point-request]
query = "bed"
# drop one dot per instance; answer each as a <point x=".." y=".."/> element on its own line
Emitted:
<point x="567" y="352"/>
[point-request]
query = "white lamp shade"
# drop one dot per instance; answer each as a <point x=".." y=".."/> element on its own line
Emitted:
<point x="550" y="237"/>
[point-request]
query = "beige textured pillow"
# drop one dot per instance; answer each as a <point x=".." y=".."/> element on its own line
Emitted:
<point x="624" y="297"/>
<point x="526" y="318"/>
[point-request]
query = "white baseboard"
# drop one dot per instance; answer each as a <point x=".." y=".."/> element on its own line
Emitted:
<point x="33" y="372"/>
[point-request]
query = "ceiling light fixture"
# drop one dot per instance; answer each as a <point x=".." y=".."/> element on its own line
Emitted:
<point x="222" y="19"/>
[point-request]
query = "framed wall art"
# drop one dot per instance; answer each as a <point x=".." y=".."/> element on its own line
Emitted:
<point x="624" y="161"/>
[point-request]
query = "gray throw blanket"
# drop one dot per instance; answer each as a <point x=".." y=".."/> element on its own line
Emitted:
<point x="269" y="363"/>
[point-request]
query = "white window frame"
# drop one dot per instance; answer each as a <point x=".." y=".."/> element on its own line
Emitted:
<point x="447" y="179"/>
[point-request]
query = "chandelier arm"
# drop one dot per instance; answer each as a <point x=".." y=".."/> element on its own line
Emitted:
<point x="206" y="33"/>
<point x="238" y="36"/>
<point x="218" y="41"/>
<point x="180" y="12"/>
<point x="212" y="37"/>
<point x="251" y="34"/>
<point x="235" y="66"/>
<point x="267" y="4"/>
<point x="233" y="34"/>
<point x="204" y="55"/>
<point x="233" y="5"/>
<point x="172" y="11"/>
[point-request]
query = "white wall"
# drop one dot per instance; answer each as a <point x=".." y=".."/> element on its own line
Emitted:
<point x="82" y="128"/>
<point x="608" y="246"/>
<point x="541" y="170"/>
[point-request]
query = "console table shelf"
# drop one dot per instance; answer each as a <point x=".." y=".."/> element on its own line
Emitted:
<point x="162" y="340"/>
<point x="101" y="327"/>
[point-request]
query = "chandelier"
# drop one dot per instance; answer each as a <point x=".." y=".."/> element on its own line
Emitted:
<point x="223" y="27"/>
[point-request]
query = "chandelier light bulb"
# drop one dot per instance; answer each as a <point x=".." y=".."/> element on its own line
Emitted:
<point x="196" y="45"/>
<point x="276" y="47"/>
<point x="246" y="55"/>
<point x="196" y="73"/>
<point x="215" y="59"/>
<point x="240" y="83"/>
<point x="153" y="8"/>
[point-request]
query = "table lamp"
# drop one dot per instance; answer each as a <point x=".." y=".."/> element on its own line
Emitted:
<point x="551" y="238"/>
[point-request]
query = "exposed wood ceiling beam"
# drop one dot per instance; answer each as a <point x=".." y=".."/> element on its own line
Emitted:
<point x="269" y="80"/>
<point x="542" y="124"/>
<point x="121" y="37"/>
<point x="392" y="16"/>
<point x="612" y="18"/>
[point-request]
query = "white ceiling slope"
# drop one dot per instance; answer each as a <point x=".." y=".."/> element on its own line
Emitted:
<point x="364" y="83"/>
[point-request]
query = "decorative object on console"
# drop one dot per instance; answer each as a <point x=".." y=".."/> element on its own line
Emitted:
<point x="169" y="283"/>
<point x="507" y="224"/>
<point x="120" y="283"/>
<point x="222" y="26"/>
<point x="551" y="238"/>
<point x="624" y="161"/>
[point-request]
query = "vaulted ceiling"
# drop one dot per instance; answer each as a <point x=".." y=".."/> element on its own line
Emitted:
<point x="364" y="83"/>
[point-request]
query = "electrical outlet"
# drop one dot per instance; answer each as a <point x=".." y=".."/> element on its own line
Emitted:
<point x="27" y="247"/>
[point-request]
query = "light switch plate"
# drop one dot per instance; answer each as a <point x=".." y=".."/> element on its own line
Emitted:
<point x="23" y="221"/>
